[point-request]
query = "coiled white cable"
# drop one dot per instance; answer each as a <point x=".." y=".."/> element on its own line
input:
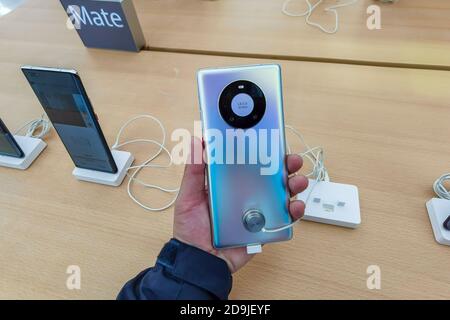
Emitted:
<point x="311" y="9"/>
<point x="147" y="163"/>
<point x="439" y="187"/>
<point x="40" y="125"/>
<point x="318" y="172"/>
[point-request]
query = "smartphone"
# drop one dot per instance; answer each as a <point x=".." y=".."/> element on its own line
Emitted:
<point x="64" y="99"/>
<point x="243" y="133"/>
<point x="8" y="145"/>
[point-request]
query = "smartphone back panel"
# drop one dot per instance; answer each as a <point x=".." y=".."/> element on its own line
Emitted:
<point x="245" y="102"/>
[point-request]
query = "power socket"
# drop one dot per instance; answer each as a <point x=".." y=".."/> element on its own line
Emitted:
<point x="332" y="203"/>
<point x="439" y="211"/>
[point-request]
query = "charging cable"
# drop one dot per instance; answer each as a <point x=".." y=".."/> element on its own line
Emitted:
<point x="37" y="128"/>
<point x="439" y="187"/>
<point x="311" y="9"/>
<point x="315" y="155"/>
<point x="318" y="172"/>
<point x="133" y="171"/>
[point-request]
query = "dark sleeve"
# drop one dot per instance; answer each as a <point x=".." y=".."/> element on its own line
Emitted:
<point x="182" y="272"/>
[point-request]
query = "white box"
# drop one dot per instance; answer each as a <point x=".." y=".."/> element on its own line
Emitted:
<point x="31" y="147"/>
<point x="332" y="203"/>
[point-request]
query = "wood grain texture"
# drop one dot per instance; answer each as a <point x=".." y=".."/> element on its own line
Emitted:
<point x="415" y="33"/>
<point x="383" y="129"/>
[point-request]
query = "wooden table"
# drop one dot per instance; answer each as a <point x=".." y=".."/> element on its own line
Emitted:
<point x="414" y="34"/>
<point x="384" y="130"/>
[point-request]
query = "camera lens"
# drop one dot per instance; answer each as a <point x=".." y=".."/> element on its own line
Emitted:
<point x="242" y="104"/>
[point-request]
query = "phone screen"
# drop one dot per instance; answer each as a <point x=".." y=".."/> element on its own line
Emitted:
<point x="8" y="146"/>
<point x="64" y="99"/>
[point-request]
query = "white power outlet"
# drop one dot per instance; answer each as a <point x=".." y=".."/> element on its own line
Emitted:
<point x="439" y="211"/>
<point x="332" y="203"/>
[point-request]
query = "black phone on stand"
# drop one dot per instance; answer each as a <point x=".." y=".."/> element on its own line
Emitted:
<point x="64" y="99"/>
<point x="8" y="145"/>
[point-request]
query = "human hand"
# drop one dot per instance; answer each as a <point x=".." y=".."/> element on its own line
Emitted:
<point x="192" y="223"/>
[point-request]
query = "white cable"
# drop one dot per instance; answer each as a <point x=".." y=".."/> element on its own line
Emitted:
<point x="310" y="10"/>
<point x="290" y="14"/>
<point x="147" y="163"/>
<point x="40" y="125"/>
<point x="318" y="172"/>
<point x="439" y="187"/>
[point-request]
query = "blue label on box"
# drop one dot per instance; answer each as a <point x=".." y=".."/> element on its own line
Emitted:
<point x="101" y="24"/>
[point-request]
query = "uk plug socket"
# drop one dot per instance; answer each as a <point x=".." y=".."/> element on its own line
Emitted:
<point x="332" y="203"/>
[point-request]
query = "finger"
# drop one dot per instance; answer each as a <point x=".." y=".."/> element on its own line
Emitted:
<point x="297" y="184"/>
<point x="294" y="163"/>
<point x="193" y="184"/>
<point x="296" y="209"/>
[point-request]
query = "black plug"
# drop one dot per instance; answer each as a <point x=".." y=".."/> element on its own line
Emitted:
<point x="447" y="224"/>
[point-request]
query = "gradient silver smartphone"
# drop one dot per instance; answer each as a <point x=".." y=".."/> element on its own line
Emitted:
<point x="64" y="99"/>
<point x="8" y="145"/>
<point x="243" y="132"/>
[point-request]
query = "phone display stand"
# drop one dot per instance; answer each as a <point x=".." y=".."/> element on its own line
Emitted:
<point x="31" y="147"/>
<point x="438" y="211"/>
<point x="123" y="161"/>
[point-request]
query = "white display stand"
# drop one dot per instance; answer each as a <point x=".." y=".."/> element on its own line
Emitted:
<point x="438" y="211"/>
<point x="123" y="161"/>
<point x="31" y="147"/>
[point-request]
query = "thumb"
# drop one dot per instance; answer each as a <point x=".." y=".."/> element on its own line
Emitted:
<point x="193" y="184"/>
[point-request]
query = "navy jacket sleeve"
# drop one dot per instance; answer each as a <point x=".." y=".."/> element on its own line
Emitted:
<point x="182" y="272"/>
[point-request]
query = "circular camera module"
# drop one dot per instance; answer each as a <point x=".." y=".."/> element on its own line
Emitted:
<point x="242" y="104"/>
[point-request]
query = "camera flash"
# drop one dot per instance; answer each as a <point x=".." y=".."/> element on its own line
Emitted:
<point x="241" y="87"/>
